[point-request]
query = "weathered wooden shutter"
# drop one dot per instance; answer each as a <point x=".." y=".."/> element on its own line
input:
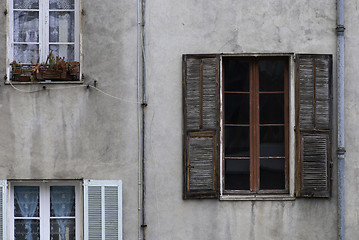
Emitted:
<point x="313" y="125"/>
<point x="102" y="210"/>
<point x="201" y="125"/>
<point x="3" y="197"/>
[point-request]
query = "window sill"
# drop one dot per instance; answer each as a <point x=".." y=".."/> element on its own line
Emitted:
<point x="281" y="197"/>
<point x="43" y="82"/>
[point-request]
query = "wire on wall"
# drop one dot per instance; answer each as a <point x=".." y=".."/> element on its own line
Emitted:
<point x="69" y="87"/>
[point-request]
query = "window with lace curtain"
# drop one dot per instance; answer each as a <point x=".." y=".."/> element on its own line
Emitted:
<point x="45" y="210"/>
<point x="38" y="27"/>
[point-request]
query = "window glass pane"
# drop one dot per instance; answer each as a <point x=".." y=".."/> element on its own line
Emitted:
<point x="27" y="229"/>
<point x="26" y="201"/>
<point x="62" y="27"/>
<point x="271" y="141"/>
<point x="26" y="4"/>
<point x="26" y="26"/>
<point x="236" y="75"/>
<point x="237" y="174"/>
<point x="26" y="53"/>
<point x="271" y="75"/>
<point x="63" y="50"/>
<point x="272" y="174"/>
<point x="271" y="108"/>
<point x="62" y="229"/>
<point x="62" y="4"/>
<point x="236" y="108"/>
<point x="236" y="141"/>
<point x="62" y="201"/>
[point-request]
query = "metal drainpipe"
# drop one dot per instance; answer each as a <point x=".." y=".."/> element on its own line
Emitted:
<point x="142" y="104"/>
<point x="341" y="145"/>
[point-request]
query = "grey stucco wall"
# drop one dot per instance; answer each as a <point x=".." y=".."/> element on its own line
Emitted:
<point x="80" y="133"/>
<point x="174" y="28"/>
<point x="351" y="119"/>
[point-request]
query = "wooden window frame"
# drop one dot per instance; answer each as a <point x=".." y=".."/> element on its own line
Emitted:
<point x="254" y="127"/>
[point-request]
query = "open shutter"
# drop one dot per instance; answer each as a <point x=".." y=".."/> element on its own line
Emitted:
<point x="313" y="125"/>
<point x="201" y="125"/>
<point x="3" y="197"/>
<point x="103" y="210"/>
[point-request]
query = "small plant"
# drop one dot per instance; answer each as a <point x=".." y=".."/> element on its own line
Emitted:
<point x="16" y="67"/>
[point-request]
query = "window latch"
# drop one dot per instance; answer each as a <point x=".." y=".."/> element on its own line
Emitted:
<point x="189" y="166"/>
<point x="5" y="12"/>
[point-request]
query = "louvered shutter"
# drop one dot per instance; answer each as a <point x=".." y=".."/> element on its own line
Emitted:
<point x="103" y="210"/>
<point x="314" y="102"/>
<point x="201" y="125"/>
<point x="3" y="197"/>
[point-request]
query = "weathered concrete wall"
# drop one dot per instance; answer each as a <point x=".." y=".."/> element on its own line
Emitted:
<point x="80" y="133"/>
<point x="174" y="28"/>
<point x="351" y="119"/>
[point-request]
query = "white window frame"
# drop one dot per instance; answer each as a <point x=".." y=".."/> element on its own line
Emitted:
<point x="44" y="13"/>
<point x="291" y="79"/>
<point x="45" y="206"/>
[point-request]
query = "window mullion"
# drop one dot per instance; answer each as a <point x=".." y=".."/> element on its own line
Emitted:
<point x="256" y="139"/>
<point x="44" y="43"/>
<point x="44" y="211"/>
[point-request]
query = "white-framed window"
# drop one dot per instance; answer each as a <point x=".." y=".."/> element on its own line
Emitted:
<point x="61" y="209"/>
<point x="45" y="210"/>
<point x="37" y="27"/>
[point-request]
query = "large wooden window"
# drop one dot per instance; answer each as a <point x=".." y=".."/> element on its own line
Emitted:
<point x="255" y="124"/>
<point x="236" y="112"/>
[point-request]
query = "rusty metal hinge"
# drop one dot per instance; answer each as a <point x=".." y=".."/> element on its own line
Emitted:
<point x="189" y="166"/>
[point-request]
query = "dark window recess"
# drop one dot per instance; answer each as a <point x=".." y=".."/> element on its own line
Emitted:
<point x="255" y="123"/>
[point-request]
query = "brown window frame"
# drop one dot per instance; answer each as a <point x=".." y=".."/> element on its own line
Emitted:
<point x="254" y="126"/>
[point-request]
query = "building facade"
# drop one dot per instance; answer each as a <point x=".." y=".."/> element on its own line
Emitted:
<point x="186" y="120"/>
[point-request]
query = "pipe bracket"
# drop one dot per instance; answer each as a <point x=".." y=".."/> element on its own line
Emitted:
<point x="341" y="151"/>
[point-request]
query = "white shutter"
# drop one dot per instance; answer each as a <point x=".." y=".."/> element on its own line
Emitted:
<point x="3" y="197"/>
<point x="103" y="210"/>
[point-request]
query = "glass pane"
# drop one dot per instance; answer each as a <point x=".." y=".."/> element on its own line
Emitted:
<point x="236" y="141"/>
<point x="236" y="108"/>
<point x="271" y="75"/>
<point x="26" y="26"/>
<point x="26" y="201"/>
<point x="62" y="4"/>
<point x="62" y="201"/>
<point x="236" y="75"/>
<point x="62" y="229"/>
<point x="271" y="108"/>
<point x="272" y="141"/>
<point x="63" y="50"/>
<point x="237" y="174"/>
<point x="27" y="229"/>
<point x="272" y="173"/>
<point x="62" y="27"/>
<point x="26" y="4"/>
<point x="26" y="53"/>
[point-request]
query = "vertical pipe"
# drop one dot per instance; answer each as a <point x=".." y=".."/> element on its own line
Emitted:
<point x="139" y="114"/>
<point x="341" y="143"/>
<point x="142" y="104"/>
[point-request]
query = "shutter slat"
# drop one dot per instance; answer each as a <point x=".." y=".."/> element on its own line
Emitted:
<point x="111" y="212"/>
<point x="313" y="121"/>
<point x="94" y="213"/>
<point x="201" y="125"/>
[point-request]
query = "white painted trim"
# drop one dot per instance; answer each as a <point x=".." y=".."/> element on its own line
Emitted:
<point x="4" y="208"/>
